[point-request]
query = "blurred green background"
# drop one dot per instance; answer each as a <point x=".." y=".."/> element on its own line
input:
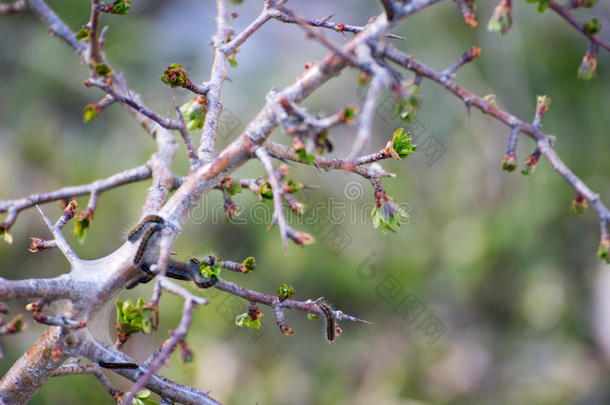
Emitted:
<point x="494" y="260"/>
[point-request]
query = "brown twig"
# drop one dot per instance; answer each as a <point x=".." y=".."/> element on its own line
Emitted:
<point x="564" y="12"/>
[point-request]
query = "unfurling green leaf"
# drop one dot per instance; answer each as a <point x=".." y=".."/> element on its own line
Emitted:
<point x="5" y="236"/>
<point x="401" y="143"/>
<point x="83" y="33"/>
<point x="265" y="191"/>
<point x="388" y="215"/>
<point x="135" y="318"/>
<point x="194" y="112"/>
<point x="242" y="320"/>
<point x="285" y="291"/>
<point x="80" y="228"/>
<point x="211" y="272"/>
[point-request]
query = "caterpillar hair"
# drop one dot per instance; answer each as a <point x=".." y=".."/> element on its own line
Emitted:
<point x="145" y="238"/>
<point x="329" y="316"/>
<point x="137" y="231"/>
<point x="105" y="364"/>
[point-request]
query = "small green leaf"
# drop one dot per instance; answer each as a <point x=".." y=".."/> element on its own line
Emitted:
<point x="242" y="320"/>
<point x="265" y="191"/>
<point x="232" y="187"/>
<point x="193" y="112"/>
<point x="5" y="236"/>
<point x="121" y="7"/>
<point x="90" y="113"/>
<point x="304" y="156"/>
<point x="604" y="250"/>
<point x="312" y="317"/>
<point x="83" y="33"/>
<point x="80" y="228"/>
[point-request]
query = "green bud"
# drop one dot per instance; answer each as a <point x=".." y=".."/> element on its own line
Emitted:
<point x="579" y="205"/>
<point x="542" y="4"/>
<point x="121" y="7"/>
<point x="175" y="75"/>
<point x="101" y="69"/>
<point x="285" y="291"/>
<point x="509" y="163"/>
<point x="90" y="113"/>
<point x="349" y="113"/>
<point x="593" y="26"/>
<point x="249" y="264"/>
<point x="604" y="250"/>
<point x="588" y="66"/>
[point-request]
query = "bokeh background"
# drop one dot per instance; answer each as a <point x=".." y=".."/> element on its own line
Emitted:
<point x="495" y="262"/>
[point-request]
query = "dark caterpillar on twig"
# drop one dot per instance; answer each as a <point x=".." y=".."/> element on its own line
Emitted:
<point x="137" y="231"/>
<point x="148" y="233"/>
<point x="330" y="324"/>
<point x="108" y="365"/>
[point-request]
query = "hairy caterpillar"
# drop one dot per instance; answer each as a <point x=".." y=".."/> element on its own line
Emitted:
<point x="330" y="325"/>
<point x="179" y="271"/>
<point x="135" y="233"/>
<point x="145" y="238"/>
<point x="105" y="364"/>
<point x="196" y="276"/>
